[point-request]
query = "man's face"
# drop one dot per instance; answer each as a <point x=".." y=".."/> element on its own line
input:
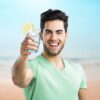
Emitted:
<point x="53" y="37"/>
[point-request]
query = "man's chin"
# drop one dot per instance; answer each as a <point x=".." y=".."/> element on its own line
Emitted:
<point x="53" y="53"/>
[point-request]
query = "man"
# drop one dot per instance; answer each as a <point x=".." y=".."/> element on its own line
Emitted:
<point x="49" y="76"/>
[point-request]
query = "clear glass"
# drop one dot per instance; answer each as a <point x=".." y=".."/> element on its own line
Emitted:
<point x="35" y="35"/>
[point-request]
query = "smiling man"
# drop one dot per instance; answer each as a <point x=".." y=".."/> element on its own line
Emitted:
<point x="49" y="76"/>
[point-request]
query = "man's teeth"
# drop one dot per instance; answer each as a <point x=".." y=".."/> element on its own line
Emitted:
<point x="53" y="44"/>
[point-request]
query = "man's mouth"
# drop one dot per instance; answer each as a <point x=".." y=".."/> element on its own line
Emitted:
<point x="53" y="44"/>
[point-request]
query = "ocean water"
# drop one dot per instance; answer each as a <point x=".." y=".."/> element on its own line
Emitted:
<point x="5" y="67"/>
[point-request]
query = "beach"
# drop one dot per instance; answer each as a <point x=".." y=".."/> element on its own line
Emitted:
<point x="8" y="91"/>
<point x="93" y="80"/>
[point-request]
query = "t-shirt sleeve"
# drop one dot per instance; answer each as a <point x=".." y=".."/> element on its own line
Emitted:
<point x="84" y="80"/>
<point x="31" y="65"/>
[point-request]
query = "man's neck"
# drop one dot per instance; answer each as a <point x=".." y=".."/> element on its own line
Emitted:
<point x="55" y="60"/>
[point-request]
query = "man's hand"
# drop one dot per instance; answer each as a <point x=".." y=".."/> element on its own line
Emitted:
<point x="26" y="45"/>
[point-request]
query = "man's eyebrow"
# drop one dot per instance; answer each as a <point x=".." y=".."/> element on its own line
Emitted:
<point x="48" y="30"/>
<point x="59" y="30"/>
<point x="51" y="30"/>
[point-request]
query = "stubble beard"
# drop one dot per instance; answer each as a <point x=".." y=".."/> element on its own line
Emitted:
<point x="52" y="53"/>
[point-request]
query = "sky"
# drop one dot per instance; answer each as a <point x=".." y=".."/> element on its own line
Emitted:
<point x="84" y="25"/>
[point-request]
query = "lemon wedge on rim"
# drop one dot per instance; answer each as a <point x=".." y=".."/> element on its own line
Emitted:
<point x="28" y="27"/>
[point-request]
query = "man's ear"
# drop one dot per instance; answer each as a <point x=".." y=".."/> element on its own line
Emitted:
<point x="41" y="36"/>
<point x="67" y="34"/>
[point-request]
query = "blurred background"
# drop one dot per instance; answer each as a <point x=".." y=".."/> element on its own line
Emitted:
<point x="82" y="45"/>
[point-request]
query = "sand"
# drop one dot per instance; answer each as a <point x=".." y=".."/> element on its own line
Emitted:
<point x="8" y="91"/>
<point x="93" y="90"/>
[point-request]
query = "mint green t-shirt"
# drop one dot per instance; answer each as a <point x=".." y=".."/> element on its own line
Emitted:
<point x="51" y="83"/>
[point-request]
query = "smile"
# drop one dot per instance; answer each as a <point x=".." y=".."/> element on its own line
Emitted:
<point x="53" y="44"/>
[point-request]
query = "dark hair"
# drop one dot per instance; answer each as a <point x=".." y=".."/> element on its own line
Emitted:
<point x="53" y="15"/>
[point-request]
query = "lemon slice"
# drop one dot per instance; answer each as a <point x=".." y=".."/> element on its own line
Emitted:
<point x="28" y="27"/>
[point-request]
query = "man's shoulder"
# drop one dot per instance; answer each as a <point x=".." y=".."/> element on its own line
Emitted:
<point x="34" y="60"/>
<point x="72" y="64"/>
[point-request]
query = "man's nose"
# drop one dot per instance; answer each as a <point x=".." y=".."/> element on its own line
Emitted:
<point x="54" y="36"/>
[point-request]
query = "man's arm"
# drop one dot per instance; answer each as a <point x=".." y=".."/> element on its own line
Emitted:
<point x="82" y="94"/>
<point x="21" y="74"/>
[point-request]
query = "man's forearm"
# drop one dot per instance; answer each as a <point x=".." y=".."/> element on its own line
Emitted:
<point x="19" y="70"/>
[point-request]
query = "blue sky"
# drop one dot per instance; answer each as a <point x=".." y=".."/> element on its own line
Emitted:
<point x="84" y="24"/>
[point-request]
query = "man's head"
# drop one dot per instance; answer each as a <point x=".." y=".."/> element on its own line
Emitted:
<point x="54" y="25"/>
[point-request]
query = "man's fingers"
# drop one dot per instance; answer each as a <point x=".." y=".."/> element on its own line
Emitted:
<point x="25" y="53"/>
<point x="28" y="47"/>
<point x="28" y="41"/>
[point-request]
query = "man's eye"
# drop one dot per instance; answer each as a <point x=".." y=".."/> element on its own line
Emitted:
<point x="59" y="32"/>
<point x="48" y="32"/>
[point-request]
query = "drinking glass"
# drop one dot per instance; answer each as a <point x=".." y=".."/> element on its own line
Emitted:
<point x="35" y="35"/>
<point x="29" y="30"/>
